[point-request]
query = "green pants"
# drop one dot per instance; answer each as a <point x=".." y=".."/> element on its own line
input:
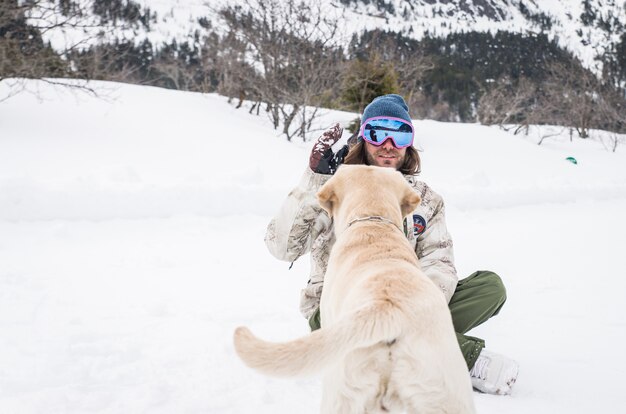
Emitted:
<point x="476" y="298"/>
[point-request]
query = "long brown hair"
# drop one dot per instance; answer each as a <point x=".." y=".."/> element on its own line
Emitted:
<point x="357" y="155"/>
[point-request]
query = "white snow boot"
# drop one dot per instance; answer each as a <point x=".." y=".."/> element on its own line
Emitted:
<point x="493" y="373"/>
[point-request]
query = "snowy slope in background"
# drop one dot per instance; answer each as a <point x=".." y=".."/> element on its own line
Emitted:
<point x="211" y="154"/>
<point x="122" y="170"/>
<point x="131" y="243"/>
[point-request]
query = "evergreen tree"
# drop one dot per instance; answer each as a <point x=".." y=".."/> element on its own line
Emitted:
<point x="365" y="79"/>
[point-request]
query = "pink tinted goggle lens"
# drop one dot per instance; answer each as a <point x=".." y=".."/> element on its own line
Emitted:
<point x="379" y="129"/>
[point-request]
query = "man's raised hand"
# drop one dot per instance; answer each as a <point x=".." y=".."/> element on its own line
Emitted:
<point x="323" y="160"/>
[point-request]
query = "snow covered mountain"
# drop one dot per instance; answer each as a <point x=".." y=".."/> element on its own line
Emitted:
<point x="587" y="28"/>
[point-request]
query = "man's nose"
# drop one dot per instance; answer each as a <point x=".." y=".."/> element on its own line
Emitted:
<point x="388" y="144"/>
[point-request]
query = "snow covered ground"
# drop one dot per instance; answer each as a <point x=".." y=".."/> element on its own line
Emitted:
<point x="131" y="246"/>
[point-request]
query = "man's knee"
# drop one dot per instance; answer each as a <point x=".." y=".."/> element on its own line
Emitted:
<point x="493" y="286"/>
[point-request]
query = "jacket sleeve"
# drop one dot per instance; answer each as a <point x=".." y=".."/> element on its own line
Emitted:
<point x="435" y="252"/>
<point x="290" y="233"/>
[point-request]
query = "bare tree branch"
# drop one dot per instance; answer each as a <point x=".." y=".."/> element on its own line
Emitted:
<point x="281" y="53"/>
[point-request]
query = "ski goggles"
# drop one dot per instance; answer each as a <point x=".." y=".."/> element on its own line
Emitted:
<point x="380" y="128"/>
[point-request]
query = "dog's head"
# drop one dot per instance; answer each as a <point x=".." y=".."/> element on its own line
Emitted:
<point x="359" y="191"/>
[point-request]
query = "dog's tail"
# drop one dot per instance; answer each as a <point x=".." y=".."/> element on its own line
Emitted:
<point x="310" y="354"/>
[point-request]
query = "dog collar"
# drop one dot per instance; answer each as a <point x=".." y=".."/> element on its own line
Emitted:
<point x="375" y="218"/>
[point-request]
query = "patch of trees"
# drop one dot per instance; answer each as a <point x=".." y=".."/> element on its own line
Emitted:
<point x="25" y="55"/>
<point x="127" y="11"/>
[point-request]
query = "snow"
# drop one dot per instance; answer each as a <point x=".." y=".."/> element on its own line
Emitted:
<point x="131" y="244"/>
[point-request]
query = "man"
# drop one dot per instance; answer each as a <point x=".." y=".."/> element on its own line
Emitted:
<point x="385" y="139"/>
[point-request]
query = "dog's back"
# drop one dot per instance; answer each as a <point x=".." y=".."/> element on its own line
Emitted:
<point x="387" y="342"/>
<point x="420" y="369"/>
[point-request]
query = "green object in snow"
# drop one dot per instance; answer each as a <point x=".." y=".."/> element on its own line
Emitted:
<point x="572" y="160"/>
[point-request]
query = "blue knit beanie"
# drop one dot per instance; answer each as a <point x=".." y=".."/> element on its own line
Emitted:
<point x="387" y="105"/>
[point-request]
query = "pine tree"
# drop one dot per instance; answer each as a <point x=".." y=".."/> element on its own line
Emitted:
<point x="366" y="79"/>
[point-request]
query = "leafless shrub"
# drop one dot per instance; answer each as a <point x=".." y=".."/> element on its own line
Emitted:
<point x="282" y="57"/>
<point x="571" y="95"/>
<point x="508" y="102"/>
<point x="612" y="112"/>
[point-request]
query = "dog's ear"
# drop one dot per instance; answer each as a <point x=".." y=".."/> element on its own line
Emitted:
<point x="410" y="200"/>
<point x="327" y="198"/>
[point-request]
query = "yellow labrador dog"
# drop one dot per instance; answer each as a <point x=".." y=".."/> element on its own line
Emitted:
<point x="387" y="343"/>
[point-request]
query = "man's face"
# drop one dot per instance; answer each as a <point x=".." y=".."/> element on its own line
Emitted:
<point x="385" y="155"/>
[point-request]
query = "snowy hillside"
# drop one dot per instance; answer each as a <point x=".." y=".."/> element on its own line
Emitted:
<point x="131" y="246"/>
<point x="562" y="20"/>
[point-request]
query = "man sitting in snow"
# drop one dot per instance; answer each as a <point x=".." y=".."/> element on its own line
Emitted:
<point x="385" y="139"/>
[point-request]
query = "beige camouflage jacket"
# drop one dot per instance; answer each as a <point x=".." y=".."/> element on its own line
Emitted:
<point x="302" y="226"/>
